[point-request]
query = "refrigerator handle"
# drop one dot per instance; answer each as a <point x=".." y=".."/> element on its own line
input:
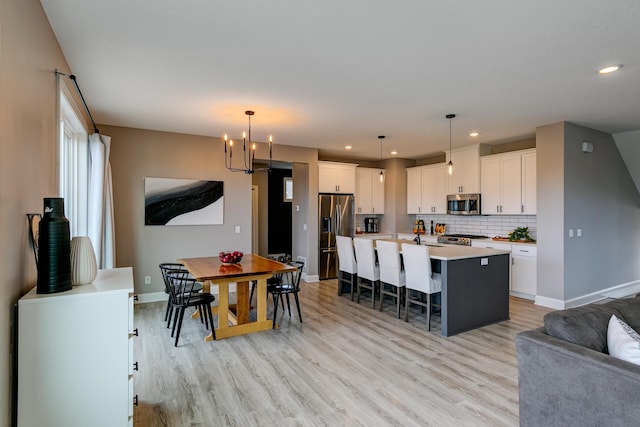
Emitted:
<point x="338" y="221"/>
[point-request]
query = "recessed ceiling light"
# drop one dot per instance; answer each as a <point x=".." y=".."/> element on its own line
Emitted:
<point x="474" y="134"/>
<point x="348" y="147"/>
<point x="394" y="152"/>
<point x="609" y="69"/>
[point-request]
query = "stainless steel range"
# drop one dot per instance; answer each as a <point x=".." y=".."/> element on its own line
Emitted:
<point x="459" y="239"/>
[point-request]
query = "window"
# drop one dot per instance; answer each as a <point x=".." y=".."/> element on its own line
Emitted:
<point x="288" y="189"/>
<point x="73" y="166"/>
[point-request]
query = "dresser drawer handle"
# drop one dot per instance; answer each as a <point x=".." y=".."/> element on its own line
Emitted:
<point x="135" y="400"/>
<point x="135" y="366"/>
<point x="135" y="332"/>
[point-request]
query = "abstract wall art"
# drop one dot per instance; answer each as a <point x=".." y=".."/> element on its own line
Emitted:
<point x="169" y="201"/>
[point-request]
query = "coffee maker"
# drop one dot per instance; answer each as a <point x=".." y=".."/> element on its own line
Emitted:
<point x="371" y="225"/>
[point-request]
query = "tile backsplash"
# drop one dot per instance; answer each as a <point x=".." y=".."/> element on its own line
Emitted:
<point x="487" y="225"/>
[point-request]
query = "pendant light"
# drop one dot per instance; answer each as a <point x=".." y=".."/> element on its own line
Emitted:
<point x="381" y="137"/>
<point x="450" y="164"/>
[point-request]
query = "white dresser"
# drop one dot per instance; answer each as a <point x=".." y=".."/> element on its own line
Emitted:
<point x="75" y="354"/>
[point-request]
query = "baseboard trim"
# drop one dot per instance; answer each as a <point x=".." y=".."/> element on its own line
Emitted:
<point x="151" y="297"/>
<point x="619" y="291"/>
<point x="310" y="278"/>
<point x="556" y="304"/>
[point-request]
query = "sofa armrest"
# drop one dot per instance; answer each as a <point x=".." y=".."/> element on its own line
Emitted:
<point x="563" y="384"/>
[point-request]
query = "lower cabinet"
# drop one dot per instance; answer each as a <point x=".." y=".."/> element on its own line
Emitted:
<point x="524" y="274"/>
<point x="523" y="266"/>
<point x="75" y="354"/>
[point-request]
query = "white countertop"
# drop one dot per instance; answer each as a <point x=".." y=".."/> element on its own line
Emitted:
<point x="509" y="242"/>
<point x="447" y="252"/>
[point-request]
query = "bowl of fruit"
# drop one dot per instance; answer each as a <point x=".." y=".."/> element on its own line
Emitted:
<point x="232" y="257"/>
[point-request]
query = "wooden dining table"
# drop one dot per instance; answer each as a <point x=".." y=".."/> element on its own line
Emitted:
<point x="235" y="319"/>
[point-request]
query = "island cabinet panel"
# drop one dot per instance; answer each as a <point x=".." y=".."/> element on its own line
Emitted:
<point x="369" y="191"/>
<point x="75" y="354"/>
<point x="475" y="293"/>
<point x="336" y="177"/>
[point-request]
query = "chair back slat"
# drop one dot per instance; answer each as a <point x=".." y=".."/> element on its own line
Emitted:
<point x="181" y="286"/>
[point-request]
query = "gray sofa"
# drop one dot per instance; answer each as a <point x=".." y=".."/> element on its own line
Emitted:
<point x="567" y="378"/>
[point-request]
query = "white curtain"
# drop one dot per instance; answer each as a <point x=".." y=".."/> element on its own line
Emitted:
<point x="100" y="201"/>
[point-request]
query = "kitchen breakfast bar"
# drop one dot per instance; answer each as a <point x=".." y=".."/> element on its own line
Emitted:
<point x="475" y="285"/>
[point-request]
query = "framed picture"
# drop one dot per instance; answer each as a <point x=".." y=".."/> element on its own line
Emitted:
<point x="169" y="201"/>
<point x="288" y="189"/>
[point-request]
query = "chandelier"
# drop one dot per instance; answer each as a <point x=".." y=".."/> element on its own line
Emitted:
<point x="248" y="155"/>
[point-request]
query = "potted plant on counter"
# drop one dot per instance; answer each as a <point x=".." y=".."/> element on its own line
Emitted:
<point x="520" y="234"/>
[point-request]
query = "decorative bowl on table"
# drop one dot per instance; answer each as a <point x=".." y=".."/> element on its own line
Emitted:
<point x="231" y="257"/>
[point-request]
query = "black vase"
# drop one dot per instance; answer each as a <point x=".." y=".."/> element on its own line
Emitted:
<point x="54" y="249"/>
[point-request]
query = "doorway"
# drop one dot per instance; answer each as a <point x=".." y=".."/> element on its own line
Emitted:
<point x="271" y="212"/>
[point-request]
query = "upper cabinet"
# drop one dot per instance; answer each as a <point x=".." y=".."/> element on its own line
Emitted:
<point x="336" y="177"/>
<point x="529" y="183"/>
<point x="508" y="183"/>
<point x="466" y="169"/>
<point x="369" y="191"/>
<point x="427" y="189"/>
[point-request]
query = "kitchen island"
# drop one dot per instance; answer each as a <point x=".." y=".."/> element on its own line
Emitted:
<point x="475" y="285"/>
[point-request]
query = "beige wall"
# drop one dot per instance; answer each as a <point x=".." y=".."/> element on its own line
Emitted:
<point x="138" y="153"/>
<point x="29" y="54"/>
<point x="550" y="210"/>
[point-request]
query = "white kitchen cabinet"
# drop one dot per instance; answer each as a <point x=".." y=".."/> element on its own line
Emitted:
<point x="336" y="177"/>
<point x="75" y="349"/>
<point x="427" y="189"/>
<point x="369" y="191"/>
<point x="524" y="270"/>
<point x="466" y="169"/>
<point x="501" y="184"/>
<point x="529" y="183"/>
<point x="523" y="276"/>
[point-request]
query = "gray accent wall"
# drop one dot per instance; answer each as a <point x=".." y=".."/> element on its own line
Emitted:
<point x="602" y="200"/>
<point x="593" y="192"/>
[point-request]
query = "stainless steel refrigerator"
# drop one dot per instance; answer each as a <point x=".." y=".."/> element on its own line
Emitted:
<point x="336" y="218"/>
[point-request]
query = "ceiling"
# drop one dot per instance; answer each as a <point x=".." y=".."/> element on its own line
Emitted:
<point x="326" y="74"/>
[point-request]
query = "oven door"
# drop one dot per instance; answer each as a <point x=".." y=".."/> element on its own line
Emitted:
<point x="463" y="204"/>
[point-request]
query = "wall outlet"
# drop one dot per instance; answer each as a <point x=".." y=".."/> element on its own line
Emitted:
<point x="237" y="229"/>
<point x="147" y="280"/>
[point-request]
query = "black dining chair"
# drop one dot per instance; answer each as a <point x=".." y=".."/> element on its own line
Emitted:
<point x="164" y="268"/>
<point x="182" y="293"/>
<point x="288" y="283"/>
<point x="270" y="281"/>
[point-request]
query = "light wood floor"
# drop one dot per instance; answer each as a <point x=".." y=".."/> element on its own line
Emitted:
<point x="346" y="365"/>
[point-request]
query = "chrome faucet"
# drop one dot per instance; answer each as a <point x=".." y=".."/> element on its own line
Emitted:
<point x="417" y="239"/>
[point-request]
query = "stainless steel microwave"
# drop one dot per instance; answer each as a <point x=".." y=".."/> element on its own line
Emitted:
<point x="463" y="204"/>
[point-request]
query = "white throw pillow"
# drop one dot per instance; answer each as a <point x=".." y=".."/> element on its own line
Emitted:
<point x="623" y="341"/>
